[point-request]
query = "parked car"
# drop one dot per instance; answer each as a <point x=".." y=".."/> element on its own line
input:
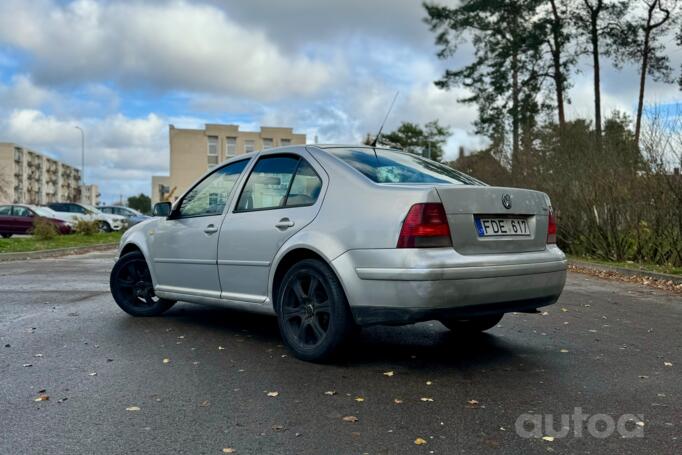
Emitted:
<point x="19" y="219"/>
<point x="132" y="215"/>
<point x="75" y="211"/>
<point x="328" y="238"/>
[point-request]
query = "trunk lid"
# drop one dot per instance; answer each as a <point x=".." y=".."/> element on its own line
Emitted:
<point x="464" y="204"/>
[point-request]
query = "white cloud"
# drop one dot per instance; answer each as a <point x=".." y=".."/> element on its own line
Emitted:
<point x="161" y="46"/>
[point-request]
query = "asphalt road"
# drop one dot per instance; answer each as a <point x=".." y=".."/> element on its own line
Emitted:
<point x="607" y="347"/>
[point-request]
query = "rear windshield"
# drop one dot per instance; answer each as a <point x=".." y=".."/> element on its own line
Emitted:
<point x="388" y="166"/>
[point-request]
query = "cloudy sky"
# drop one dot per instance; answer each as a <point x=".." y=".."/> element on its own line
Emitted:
<point x="124" y="70"/>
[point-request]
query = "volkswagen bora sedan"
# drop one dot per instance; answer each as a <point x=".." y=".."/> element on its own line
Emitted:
<point x="329" y="238"/>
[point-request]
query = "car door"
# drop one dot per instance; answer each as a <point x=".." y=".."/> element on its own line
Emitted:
<point x="281" y="195"/>
<point x="6" y="219"/>
<point x="184" y="245"/>
<point x="23" y="219"/>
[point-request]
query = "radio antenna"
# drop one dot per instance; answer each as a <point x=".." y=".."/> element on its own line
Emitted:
<point x="376" y="138"/>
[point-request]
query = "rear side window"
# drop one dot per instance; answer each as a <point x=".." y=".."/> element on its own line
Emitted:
<point x="21" y="211"/>
<point x="388" y="166"/>
<point x="280" y="181"/>
<point x="5" y="209"/>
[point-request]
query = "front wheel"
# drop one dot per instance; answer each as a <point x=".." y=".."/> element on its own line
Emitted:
<point x="105" y="227"/>
<point x="312" y="311"/>
<point x="131" y="285"/>
<point x="473" y="325"/>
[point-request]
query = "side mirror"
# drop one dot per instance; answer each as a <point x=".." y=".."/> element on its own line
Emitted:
<point x="161" y="209"/>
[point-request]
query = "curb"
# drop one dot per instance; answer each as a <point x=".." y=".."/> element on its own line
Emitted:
<point x="676" y="279"/>
<point x="59" y="252"/>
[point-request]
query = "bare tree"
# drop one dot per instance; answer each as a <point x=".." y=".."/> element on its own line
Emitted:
<point x="648" y="47"/>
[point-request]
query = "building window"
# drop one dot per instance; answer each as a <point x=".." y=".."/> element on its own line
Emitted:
<point x="212" y="151"/>
<point x="230" y="146"/>
<point x="267" y="143"/>
<point x="249" y="145"/>
<point x="284" y="142"/>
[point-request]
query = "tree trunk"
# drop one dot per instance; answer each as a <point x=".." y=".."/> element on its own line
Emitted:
<point x="642" y="82"/>
<point x="515" y="116"/>
<point x="556" y="61"/>
<point x="594" y="38"/>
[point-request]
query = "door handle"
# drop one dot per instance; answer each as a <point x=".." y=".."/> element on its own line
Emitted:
<point x="284" y="223"/>
<point x="211" y="229"/>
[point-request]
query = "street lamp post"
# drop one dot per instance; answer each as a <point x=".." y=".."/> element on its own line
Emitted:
<point x="82" y="155"/>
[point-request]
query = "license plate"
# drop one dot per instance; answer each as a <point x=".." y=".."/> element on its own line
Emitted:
<point x="498" y="227"/>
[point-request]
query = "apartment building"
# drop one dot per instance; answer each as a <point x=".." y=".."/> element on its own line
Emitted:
<point x="194" y="151"/>
<point x="29" y="177"/>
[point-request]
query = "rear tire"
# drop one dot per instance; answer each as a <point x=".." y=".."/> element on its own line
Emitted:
<point x="312" y="311"/>
<point x="131" y="285"/>
<point x="6" y="236"/>
<point x="473" y="325"/>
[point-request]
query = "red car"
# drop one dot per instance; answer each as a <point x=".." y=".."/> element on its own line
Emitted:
<point x="18" y="219"/>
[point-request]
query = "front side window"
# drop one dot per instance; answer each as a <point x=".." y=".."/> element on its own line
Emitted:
<point x="21" y="211"/>
<point x="210" y="195"/>
<point x="280" y="181"/>
<point x="212" y="151"/>
<point x="389" y="166"/>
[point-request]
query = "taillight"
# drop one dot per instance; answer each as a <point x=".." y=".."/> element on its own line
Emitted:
<point x="551" y="227"/>
<point x="425" y="226"/>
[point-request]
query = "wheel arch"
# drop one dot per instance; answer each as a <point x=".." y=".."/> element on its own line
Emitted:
<point x="288" y="259"/>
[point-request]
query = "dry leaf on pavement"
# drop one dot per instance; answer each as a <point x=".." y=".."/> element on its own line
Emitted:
<point x="548" y="438"/>
<point x="42" y="397"/>
<point x="351" y="419"/>
<point x="133" y="408"/>
<point x="330" y="392"/>
<point x="359" y="399"/>
<point x="426" y="399"/>
<point x="229" y="450"/>
<point x="388" y="373"/>
<point x="420" y="441"/>
<point x="166" y="360"/>
<point x="273" y="394"/>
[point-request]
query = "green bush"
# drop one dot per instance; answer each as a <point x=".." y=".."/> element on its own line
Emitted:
<point x="43" y="229"/>
<point x="86" y="227"/>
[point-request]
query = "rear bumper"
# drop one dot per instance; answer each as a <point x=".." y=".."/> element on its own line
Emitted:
<point x="402" y="286"/>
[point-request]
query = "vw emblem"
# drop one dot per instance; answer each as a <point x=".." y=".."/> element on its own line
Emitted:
<point x="506" y="201"/>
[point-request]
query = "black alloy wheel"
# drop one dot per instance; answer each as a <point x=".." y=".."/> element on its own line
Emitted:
<point x="131" y="285"/>
<point x="312" y="311"/>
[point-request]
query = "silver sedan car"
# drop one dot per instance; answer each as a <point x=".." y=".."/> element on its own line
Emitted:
<point x="329" y="238"/>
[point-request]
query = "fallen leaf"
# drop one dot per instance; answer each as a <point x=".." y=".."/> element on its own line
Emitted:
<point x="545" y="313"/>
<point x="429" y="382"/>
<point x="204" y="403"/>
<point x="397" y="401"/>
<point x="564" y="350"/>
<point x="388" y="373"/>
<point x="132" y="408"/>
<point x="330" y="392"/>
<point x="472" y="402"/>
<point x="92" y="374"/>
<point x="564" y="310"/>
<point x="420" y="441"/>
<point x="278" y="428"/>
<point x="426" y="399"/>
<point x="639" y="423"/>
<point x="359" y="399"/>
<point x="220" y="348"/>
<point x="351" y="419"/>
<point x="38" y="355"/>
<point x="273" y="394"/>
<point x="42" y="397"/>
<point x="548" y="438"/>
<point x="26" y="365"/>
<point x="668" y="364"/>
<point x="229" y="450"/>
<point x="166" y="360"/>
